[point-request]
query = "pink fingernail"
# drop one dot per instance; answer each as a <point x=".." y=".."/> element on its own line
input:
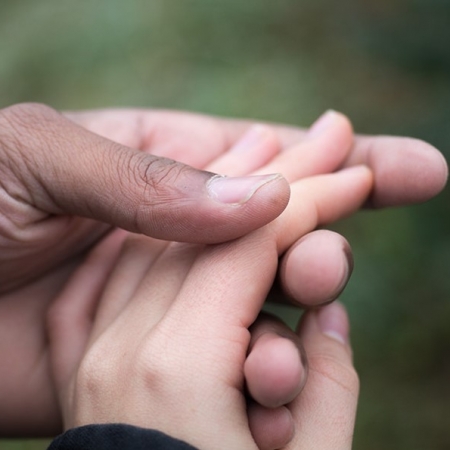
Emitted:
<point x="237" y="190"/>
<point x="333" y="321"/>
<point x="321" y="125"/>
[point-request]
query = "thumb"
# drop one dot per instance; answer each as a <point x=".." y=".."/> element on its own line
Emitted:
<point x="324" y="412"/>
<point x="61" y="168"/>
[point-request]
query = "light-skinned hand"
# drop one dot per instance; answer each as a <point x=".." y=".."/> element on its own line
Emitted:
<point x="42" y="247"/>
<point x="166" y="328"/>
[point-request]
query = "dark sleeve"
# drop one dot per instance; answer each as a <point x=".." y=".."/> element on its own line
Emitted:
<point x="116" y="437"/>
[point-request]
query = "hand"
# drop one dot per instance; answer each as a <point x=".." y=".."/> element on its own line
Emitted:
<point x="24" y="310"/>
<point x="38" y="249"/>
<point x="56" y="175"/>
<point x="323" y="415"/>
<point x="48" y="185"/>
<point x="406" y="170"/>
<point x="189" y="309"/>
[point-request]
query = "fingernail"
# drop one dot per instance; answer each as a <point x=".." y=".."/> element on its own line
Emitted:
<point x="333" y="322"/>
<point x="321" y="125"/>
<point x="237" y="190"/>
<point x="253" y="137"/>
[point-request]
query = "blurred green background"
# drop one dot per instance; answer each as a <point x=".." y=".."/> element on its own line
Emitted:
<point x="385" y="63"/>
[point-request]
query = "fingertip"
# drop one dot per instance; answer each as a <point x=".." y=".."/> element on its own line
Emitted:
<point x="331" y="393"/>
<point x="200" y="207"/>
<point x="360" y="171"/>
<point x="271" y="428"/>
<point x="330" y="119"/>
<point x="330" y="321"/>
<point x="230" y="214"/>
<point x="424" y="173"/>
<point x="275" y="370"/>
<point x="251" y="152"/>
<point x="316" y="270"/>
<point x="432" y="171"/>
<point x="258" y="137"/>
<point x="333" y="322"/>
<point x="362" y="179"/>
<point x="407" y="170"/>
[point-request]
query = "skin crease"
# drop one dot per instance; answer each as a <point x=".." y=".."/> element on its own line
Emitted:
<point x="193" y="139"/>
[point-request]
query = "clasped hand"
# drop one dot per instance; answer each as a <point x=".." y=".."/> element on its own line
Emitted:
<point x="44" y="237"/>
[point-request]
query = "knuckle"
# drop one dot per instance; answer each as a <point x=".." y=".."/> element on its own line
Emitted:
<point x="334" y="371"/>
<point x="156" y="361"/>
<point x="157" y="174"/>
<point x="96" y="371"/>
<point x="155" y="178"/>
<point x="105" y="365"/>
<point x="151" y="366"/>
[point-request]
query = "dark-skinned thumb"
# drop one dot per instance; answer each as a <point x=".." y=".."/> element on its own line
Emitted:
<point x="62" y="169"/>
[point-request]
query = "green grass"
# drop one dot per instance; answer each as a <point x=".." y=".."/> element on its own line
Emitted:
<point x="23" y="445"/>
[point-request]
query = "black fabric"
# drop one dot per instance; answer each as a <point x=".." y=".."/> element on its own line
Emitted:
<point x="116" y="437"/>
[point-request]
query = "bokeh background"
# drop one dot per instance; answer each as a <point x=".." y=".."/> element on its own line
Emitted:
<point x="385" y="63"/>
